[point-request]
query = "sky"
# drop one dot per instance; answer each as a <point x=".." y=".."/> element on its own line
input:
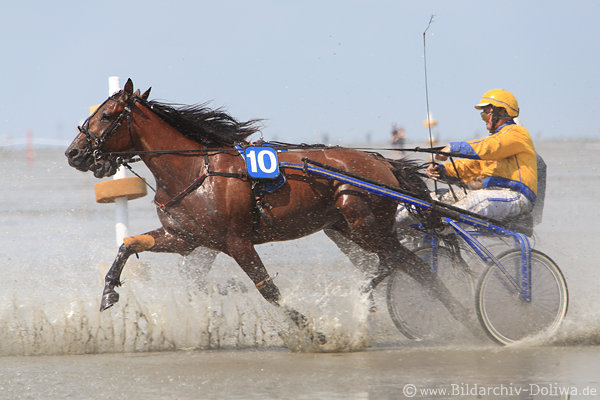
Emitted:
<point x="341" y="71"/>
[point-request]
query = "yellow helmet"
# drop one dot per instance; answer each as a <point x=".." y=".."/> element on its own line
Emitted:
<point x="500" y="98"/>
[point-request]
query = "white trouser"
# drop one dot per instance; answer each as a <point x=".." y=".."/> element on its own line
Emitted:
<point x="497" y="204"/>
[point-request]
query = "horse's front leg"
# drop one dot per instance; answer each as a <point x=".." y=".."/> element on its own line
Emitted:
<point x="248" y="259"/>
<point x="158" y="240"/>
<point x="113" y="278"/>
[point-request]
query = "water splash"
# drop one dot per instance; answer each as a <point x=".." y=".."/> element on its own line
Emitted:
<point x="156" y="314"/>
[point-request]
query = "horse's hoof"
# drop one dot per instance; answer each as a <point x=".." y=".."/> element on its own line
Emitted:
<point x="108" y="300"/>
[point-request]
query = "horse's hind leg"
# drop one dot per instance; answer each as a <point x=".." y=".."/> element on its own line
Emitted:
<point x="377" y="235"/>
<point x="361" y="259"/>
<point x="196" y="266"/>
<point x="366" y="262"/>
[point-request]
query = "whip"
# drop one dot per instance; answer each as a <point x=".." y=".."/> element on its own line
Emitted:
<point x="427" y="93"/>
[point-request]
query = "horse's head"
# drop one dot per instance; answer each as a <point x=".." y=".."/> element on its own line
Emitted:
<point x="106" y="130"/>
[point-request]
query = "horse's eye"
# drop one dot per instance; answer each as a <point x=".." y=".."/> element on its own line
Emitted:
<point x="105" y="116"/>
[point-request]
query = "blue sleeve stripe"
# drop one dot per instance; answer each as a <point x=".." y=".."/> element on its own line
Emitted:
<point x="496" y="181"/>
<point x="464" y="148"/>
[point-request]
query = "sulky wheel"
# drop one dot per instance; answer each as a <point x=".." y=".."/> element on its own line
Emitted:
<point x="503" y="312"/>
<point x="420" y="316"/>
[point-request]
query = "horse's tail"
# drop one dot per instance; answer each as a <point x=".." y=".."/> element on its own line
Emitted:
<point x="409" y="174"/>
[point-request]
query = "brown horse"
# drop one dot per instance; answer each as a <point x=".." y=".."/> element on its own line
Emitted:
<point x="205" y="198"/>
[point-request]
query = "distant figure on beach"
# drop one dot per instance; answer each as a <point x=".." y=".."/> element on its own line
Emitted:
<point x="398" y="137"/>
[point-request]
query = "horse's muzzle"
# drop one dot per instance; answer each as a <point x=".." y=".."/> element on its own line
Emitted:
<point x="83" y="160"/>
<point x="80" y="159"/>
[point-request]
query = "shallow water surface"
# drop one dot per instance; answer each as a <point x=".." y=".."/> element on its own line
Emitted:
<point x="169" y="338"/>
<point x="380" y="373"/>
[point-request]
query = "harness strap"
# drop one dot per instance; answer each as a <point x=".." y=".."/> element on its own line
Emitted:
<point x="191" y="187"/>
<point x="229" y="174"/>
<point x="258" y="193"/>
<point x="194" y="185"/>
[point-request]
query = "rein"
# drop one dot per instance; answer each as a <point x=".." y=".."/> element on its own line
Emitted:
<point x="277" y="145"/>
<point x="96" y="142"/>
<point x="217" y="150"/>
<point x="285" y="146"/>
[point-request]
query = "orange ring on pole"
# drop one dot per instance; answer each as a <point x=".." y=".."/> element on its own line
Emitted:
<point x="108" y="191"/>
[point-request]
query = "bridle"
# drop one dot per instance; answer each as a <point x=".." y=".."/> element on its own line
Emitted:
<point x="96" y="141"/>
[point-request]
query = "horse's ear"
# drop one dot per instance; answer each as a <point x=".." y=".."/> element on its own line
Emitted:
<point x="146" y="94"/>
<point x="128" y="89"/>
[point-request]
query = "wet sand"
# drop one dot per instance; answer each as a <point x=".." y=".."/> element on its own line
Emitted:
<point x="380" y="373"/>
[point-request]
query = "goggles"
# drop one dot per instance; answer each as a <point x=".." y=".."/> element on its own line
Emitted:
<point x="485" y="115"/>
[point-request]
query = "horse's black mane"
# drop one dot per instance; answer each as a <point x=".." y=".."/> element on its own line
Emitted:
<point x="203" y="124"/>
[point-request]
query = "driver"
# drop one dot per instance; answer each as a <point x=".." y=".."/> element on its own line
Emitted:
<point x="502" y="168"/>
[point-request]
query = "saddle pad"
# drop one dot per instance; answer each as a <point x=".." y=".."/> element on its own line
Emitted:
<point x="272" y="185"/>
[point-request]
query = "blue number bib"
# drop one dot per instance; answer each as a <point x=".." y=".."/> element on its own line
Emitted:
<point x="262" y="162"/>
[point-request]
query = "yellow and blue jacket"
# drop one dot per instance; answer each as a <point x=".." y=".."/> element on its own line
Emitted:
<point x="505" y="159"/>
